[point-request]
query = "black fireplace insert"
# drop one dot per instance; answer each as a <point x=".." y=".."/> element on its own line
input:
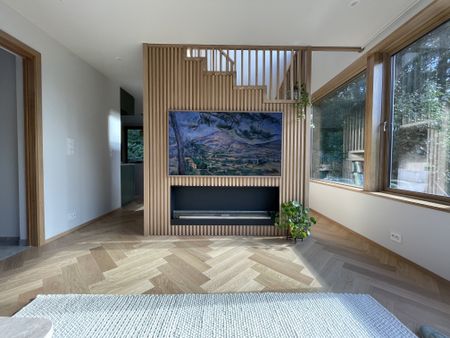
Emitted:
<point x="224" y="205"/>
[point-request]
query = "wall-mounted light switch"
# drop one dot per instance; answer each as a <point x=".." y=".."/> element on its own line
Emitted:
<point x="396" y="237"/>
<point x="70" y="145"/>
<point x="72" y="215"/>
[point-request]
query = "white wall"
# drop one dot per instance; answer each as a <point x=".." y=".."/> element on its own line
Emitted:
<point x="425" y="232"/>
<point x="326" y="65"/>
<point x="9" y="186"/>
<point x="78" y="104"/>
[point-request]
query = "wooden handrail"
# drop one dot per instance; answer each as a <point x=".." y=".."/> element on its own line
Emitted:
<point x="265" y="47"/>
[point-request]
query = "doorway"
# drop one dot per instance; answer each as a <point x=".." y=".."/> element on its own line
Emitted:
<point x="132" y="166"/>
<point x="25" y="156"/>
<point x="13" y="227"/>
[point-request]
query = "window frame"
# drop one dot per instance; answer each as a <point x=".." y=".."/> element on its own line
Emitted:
<point x="377" y="64"/>
<point x="125" y="143"/>
<point x="358" y="71"/>
<point x="386" y="148"/>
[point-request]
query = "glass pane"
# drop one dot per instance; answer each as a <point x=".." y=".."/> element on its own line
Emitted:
<point x="338" y="134"/>
<point x="420" y="154"/>
<point x="135" y="145"/>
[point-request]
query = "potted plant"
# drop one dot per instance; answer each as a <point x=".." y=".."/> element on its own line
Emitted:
<point x="295" y="219"/>
<point x="302" y="100"/>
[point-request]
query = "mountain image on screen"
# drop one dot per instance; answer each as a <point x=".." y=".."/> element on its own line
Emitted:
<point x="224" y="144"/>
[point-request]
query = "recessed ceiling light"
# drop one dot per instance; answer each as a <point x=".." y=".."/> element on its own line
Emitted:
<point x="353" y="3"/>
<point x="118" y="58"/>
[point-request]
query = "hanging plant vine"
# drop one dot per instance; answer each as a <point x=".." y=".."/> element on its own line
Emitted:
<point x="302" y="102"/>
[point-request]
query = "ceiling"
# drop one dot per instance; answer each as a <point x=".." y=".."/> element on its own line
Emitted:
<point x="108" y="34"/>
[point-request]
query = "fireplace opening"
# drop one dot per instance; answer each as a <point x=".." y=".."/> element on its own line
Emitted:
<point x="224" y="205"/>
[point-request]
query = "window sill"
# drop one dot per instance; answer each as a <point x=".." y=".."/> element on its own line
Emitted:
<point x="411" y="200"/>
<point x="337" y="185"/>
<point x="392" y="196"/>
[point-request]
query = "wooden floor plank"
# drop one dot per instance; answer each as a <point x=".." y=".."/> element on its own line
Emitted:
<point x="103" y="259"/>
<point x="110" y="256"/>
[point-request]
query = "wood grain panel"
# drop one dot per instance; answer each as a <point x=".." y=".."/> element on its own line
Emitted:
<point x="225" y="181"/>
<point x="175" y="82"/>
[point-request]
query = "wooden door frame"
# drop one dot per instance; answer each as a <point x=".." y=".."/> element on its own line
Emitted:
<point x="33" y="135"/>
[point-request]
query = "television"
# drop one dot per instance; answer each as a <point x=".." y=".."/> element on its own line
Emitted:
<point x="225" y="143"/>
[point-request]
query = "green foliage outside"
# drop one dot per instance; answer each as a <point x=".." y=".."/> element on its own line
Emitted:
<point x="330" y="116"/>
<point x="135" y="138"/>
<point x="420" y="159"/>
<point x="421" y="109"/>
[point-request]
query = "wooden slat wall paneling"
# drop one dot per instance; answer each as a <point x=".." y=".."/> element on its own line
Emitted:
<point x="147" y="141"/>
<point x="176" y="82"/>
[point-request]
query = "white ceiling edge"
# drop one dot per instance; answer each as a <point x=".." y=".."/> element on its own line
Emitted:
<point x="137" y="91"/>
<point x="55" y="40"/>
<point x="411" y="11"/>
<point x="327" y="65"/>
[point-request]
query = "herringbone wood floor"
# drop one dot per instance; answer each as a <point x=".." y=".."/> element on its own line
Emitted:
<point x="109" y="257"/>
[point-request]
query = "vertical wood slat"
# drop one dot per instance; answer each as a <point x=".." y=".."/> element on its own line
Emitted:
<point x="306" y="80"/>
<point x="227" y="61"/>
<point x="299" y="67"/>
<point x="174" y="82"/>
<point x="377" y="80"/>
<point x="277" y="87"/>
<point x="264" y="70"/>
<point x="249" y="67"/>
<point x="270" y="75"/>
<point x="291" y="76"/>
<point x="285" y="74"/>
<point x="256" y="67"/>
<point x="242" y="67"/>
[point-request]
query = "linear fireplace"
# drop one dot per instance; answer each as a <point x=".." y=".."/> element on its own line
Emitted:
<point x="224" y="205"/>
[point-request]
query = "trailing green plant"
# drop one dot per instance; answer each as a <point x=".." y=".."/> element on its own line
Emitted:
<point x="302" y="102"/>
<point x="295" y="219"/>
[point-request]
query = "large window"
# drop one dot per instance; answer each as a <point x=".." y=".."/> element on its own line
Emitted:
<point x="420" y="115"/>
<point x="338" y="134"/>
<point x="135" y="145"/>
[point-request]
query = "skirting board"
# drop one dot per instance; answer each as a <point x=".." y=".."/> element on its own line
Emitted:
<point x="78" y="227"/>
<point x="9" y="240"/>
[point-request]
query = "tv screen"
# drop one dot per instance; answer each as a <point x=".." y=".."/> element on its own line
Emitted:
<point x="225" y="144"/>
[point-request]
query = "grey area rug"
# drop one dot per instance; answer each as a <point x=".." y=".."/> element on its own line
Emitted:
<point x="217" y="315"/>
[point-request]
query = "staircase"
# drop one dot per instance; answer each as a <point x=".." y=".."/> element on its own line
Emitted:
<point x="277" y="71"/>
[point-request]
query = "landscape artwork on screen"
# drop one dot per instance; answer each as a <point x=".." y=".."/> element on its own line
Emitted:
<point x="224" y="144"/>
